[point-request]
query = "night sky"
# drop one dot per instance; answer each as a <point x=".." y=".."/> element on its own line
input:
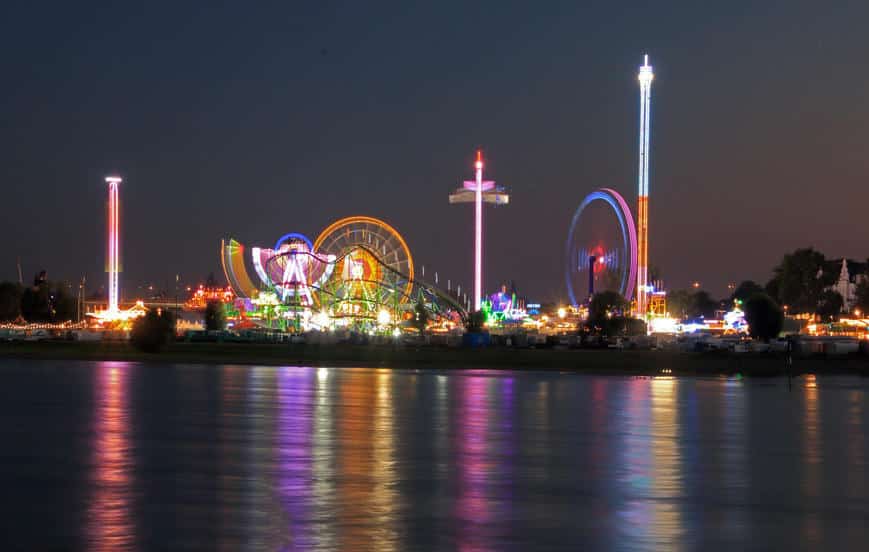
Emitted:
<point x="250" y="122"/>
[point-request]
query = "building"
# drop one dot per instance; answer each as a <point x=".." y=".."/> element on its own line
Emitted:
<point x="851" y="274"/>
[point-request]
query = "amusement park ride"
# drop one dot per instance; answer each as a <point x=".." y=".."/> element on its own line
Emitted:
<point x="623" y="255"/>
<point x="479" y="191"/>
<point x="358" y="273"/>
<point x="113" y="315"/>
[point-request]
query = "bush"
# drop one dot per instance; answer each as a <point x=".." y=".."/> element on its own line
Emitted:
<point x="215" y="319"/>
<point x="765" y="318"/>
<point x="152" y="332"/>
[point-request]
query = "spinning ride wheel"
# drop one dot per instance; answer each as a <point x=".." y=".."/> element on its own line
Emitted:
<point x="369" y="252"/>
<point x="603" y="228"/>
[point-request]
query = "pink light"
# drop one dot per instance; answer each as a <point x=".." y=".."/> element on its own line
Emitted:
<point x="472" y="185"/>
<point x="478" y="233"/>
<point x="114" y="230"/>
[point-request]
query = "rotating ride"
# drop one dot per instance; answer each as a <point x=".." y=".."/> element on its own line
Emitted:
<point x="601" y="249"/>
<point x="373" y="267"/>
<point x="358" y="273"/>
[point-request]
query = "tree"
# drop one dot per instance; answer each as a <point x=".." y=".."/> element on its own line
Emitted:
<point x="683" y="303"/>
<point x="799" y="280"/>
<point x="604" y="305"/>
<point x="36" y="304"/>
<point x="624" y="325"/>
<point x="862" y="295"/>
<point x="680" y="303"/>
<point x="475" y="322"/>
<point x="63" y="304"/>
<point x="704" y="305"/>
<point x="746" y="289"/>
<point x="10" y="301"/>
<point x="765" y="318"/>
<point x="215" y="318"/>
<point x="829" y="304"/>
<point x="420" y="316"/>
<point x="152" y="332"/>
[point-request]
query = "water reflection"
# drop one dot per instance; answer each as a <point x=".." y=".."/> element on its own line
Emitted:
<point x="812" y="458"/>
<point x="473" y="462"/>
<point x="359" y="459"/>
<point x="323" y="459"/>
<point x="367" y="461"/>
<point x="666" y="464"/>
<point x="651" y="474"/>
<point x="294" y="464"/>
<point x="856" y="444"/>
<point x="110" y="519"/>
<point x="230" y="434"/>
<point x="734" y="457"/>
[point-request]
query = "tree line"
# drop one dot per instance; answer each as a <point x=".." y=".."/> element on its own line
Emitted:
<point x="44" y="301"/>
<point x="801" y="282"/>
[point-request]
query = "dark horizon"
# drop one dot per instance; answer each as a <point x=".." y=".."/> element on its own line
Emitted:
<point x="250" y="123"/>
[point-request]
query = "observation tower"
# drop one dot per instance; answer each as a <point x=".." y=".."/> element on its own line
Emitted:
<point x="479" y="191"/>
<point x="645" y="78"/>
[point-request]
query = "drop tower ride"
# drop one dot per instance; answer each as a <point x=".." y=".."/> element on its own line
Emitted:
<point x="645" y="78"/>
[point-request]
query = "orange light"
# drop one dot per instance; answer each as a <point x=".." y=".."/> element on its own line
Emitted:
<point x="375" y="222"/>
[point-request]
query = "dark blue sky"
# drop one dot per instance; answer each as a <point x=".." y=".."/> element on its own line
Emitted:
<point x="252" y="121"/>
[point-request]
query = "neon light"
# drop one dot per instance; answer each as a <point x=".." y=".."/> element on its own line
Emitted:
<point x="478" y="233"/>
<point x="645" y="78"/>
<point x="232" y="260"/>
<point x="479" y="191"/>
<point x="629" y="239"/>
<point x="488" y="185"/>
<point x="293" y="235"/>
<point x="114" y="230"/>
<point x="256" y="256"/>
<point x="383" y="231"/>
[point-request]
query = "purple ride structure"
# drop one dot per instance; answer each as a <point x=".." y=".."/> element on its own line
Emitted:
<point x="615" y="257"/>
<point x="358" y="273"/>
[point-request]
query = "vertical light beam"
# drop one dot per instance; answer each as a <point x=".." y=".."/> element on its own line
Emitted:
<point x="114" y="231"/>
<point x="645" y="78"/>
<point x="478" y="233"/>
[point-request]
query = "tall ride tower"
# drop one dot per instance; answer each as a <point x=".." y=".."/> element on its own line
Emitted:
<point x="645" y="78"/>
<point x="113" y="264"/>
<point x="479" y="191"/>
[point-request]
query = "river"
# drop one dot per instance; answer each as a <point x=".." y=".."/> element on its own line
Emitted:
<point x="127" y="456"/>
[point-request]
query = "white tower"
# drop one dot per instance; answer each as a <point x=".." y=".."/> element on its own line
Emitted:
<point x="645" y="78"/>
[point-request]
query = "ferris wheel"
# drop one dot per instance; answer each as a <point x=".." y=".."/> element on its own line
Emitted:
<point x="601" y="250"/>
<point x="369" y="252"/>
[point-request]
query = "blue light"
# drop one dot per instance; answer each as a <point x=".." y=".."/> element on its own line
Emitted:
<point x="294" y="235"/>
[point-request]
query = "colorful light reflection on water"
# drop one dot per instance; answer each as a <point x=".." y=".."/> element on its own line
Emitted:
<point x="110" y="516"/>
<point x="289" y="458"/>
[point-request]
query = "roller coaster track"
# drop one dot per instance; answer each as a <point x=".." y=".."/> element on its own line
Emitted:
<point x="403" y="285"/>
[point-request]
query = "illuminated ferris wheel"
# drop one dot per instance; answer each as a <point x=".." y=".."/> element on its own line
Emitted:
<point x="601" y="250"/>
<point x="371" y="256"/>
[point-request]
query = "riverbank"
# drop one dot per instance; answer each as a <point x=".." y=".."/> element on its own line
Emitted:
<point x="591" y="361"/>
